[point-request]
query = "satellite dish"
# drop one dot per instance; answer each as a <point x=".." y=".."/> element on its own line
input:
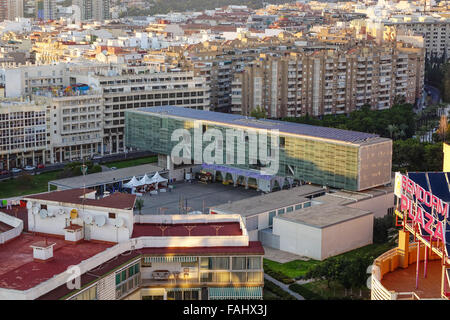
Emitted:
<point x="119" y="222"/>
<point x="43" y="213"/>
<point x="62" y="211"/>
<point x="88" y="219"/>
<point x="29" y="205"/>
<point x="35" y="210"/>
<point x="100" y="221"/>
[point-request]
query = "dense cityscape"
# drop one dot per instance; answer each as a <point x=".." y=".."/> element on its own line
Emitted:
<point x="224" y="150"/>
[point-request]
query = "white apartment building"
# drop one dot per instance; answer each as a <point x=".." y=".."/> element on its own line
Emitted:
<point x="23" y="133"/>
<point x="77" y="123"/>
<point x="130" y="88"/>
<point x="125" y="256"/>
<point x="25" y="79"/>
<point x="435" y="31"/>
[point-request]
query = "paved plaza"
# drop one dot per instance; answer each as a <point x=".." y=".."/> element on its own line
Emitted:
<point x="194" y="196"/>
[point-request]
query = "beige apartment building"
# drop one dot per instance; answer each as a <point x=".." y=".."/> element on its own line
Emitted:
<point x="434" y="30"/>
<point x="322" y="82"/>
<point x="217" y="61"/>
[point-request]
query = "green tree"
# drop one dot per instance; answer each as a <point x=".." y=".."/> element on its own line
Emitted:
<point x="258" y="112"/>
<point x="139" y="205"/>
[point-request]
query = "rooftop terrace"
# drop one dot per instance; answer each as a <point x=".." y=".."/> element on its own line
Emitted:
<point x="19" y="271"/>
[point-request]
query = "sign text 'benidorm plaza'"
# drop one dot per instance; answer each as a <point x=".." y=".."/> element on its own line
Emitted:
<point x="412" y="199"/>
<point x="257" y="140"/>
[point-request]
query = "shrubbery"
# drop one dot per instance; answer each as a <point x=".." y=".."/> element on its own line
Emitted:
<point x="73" y="169"/>
<point x="305" y="292"/>
<point x="272" y="287"/>
<point x="277" y="275"/>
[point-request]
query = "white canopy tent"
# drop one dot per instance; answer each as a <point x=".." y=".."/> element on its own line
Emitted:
<point x="146" y="180"/>
<point x="157" y="179"/>
<point x="132" y="183"/>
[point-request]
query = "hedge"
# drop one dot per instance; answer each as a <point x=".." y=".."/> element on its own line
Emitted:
<point x="305" y="292"/>
<point x="270" y="286"/>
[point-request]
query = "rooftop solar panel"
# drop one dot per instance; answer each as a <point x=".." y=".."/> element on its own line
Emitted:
<point x="282" y="126"/>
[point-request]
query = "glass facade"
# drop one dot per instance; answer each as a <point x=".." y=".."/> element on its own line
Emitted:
<point x="319" y="161"/>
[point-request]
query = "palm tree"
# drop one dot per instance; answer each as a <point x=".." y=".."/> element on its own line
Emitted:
<point x="392" y="128"/>
<point x="139" y="204"/>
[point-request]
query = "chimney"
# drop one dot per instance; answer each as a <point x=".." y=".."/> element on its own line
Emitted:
<point x="42" y="251"/>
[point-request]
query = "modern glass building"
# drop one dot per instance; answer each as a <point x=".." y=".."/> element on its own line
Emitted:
<point x="325" y="156"/>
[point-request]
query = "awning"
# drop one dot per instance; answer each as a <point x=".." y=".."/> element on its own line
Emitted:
<point x="169" y="259"/>
<point x="235" y="293"/>
<point x="183" y="289"/>
<point x="240" y="172"/>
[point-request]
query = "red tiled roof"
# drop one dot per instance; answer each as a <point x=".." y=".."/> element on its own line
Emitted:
<point x="19" y="271"/>
<point x="116" y="200"/>
<point x="197" y="229"/>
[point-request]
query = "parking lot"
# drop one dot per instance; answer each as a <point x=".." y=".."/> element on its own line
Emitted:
<point x="194" y="197"/>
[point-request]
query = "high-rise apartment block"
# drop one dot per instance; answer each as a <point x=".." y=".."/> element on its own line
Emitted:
<point x="11" y="9"/>
<point x="46" y="9"/>
<point x="97" y="10"/>
<point x="324" y="82"/>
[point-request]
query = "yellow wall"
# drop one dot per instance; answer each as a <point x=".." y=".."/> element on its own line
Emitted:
<point x="446" y="158"/>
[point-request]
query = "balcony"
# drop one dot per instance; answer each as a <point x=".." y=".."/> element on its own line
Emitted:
<point x="392" y="282"/>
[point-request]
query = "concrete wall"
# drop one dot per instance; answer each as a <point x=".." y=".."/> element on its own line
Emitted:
<point x="56" y="224"/>
<point x="347" y="236"/>
<point x="298" y="238"/>
<point x="378" y="205"/>
<point x="268" y="239"/>
<point x="375" y="164"/>
<point x="446" y="157"/>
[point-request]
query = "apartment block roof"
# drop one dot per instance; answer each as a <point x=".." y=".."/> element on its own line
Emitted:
<point x="282" y="126"/>
<point x="19" y="271"/>
<point x="270" y="201"/>
<point x="75" y="196"/>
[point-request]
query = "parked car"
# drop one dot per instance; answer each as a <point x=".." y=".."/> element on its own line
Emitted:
<point x="40" y="166"/>
<point x="96" y="157"/>
<point x="29" y="168"/>
<point x="16" y="170"/>
<point x="113" y="168"/>
<point x="4" y="172"/>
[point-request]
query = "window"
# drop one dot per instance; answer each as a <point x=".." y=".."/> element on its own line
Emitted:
<point x="127" y="280"/>
<point x="215" y="263"/>
<point x="271" y="215"/>
<point x="254" y="263"/>
<point x="44" y="206"/>
<point x="307" y="204"/>
<point x="252" y="223"/>
<point x="111" y="215"/>
<point x="246" y="263"/>
<point x="239" y="263"/>
<point x="290" y="209"/>
<point x="298" y="206"/>
<point x="280" y="211"/>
